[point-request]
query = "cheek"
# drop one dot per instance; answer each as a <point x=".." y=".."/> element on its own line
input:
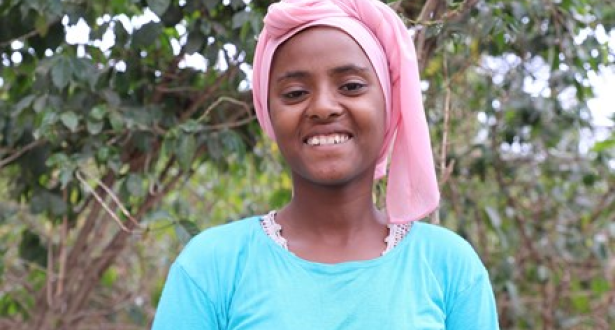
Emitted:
<point x="282" y="122"/>
<point x="378" y="119"/>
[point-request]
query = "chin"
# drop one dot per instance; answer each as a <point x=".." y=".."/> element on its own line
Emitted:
<point x="330" y="178"/>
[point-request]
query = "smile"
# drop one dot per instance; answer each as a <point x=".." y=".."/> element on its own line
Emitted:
<point x="322" y="140"/>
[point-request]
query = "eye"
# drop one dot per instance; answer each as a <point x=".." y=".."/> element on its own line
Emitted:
<point x="294" y="94"/>
<point x="353" y="87"/>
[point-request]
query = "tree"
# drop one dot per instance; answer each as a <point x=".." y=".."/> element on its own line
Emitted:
<point x="102" y="145"/>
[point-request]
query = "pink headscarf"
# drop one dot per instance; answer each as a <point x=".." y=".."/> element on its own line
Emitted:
<point x="412" y="189"/>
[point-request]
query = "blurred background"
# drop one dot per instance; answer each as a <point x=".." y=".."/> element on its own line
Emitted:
<point x="126" y="127"/>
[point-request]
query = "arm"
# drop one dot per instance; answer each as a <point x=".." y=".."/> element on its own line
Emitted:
<point x="184" y="305"/>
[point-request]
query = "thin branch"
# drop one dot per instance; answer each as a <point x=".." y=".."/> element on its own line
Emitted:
<point x="230" y="125"/>
<point x="177" y="90"/>
<point x="451" y="15"/>
<point x="21" y="37"/>
<point x="113" y="196"/>
<point x="219" y="101"/>
<point x="445" y="170"/>
<point x="206" y="95"/>
<point x="20" y="152"/>
<point x="63" y="252"/>
<point x="102" y="202"/>
<point x="168" y="76"/>
<point x="82" y="237"/>
<point x="115" y="246"/>
<point x="49" y="286"/>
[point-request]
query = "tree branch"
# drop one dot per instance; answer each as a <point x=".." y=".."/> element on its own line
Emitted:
<point x="20" y="152"/>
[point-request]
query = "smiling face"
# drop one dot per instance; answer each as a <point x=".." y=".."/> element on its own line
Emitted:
<point x="327" y="108"/>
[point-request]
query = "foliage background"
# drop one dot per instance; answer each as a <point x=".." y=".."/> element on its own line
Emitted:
<point x="115" y="150"/>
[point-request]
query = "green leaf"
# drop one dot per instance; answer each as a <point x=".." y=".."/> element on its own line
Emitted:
<point x="98" y="112"/>
<point x="185" y="152"/>
<point x="40" y="103"/>
<point x="191" y="126"/>
<point x="195" y="42"/>
<point x="32" y="249"/>
<point x="58" y="159"/>
<point x="70" y="120"/>
<point x="85" y="71"/>
<point x="61" y="73"/>
<point x="211" y="4"/>
<point x="146" y="35"/>
<point x="240" y="18"/>
<point x="41" y="25"/>
<point x="280" y="198"/>
<point x="116" y="120"/>
<point x="23" y="104"/>
<point x="237" y="4"/>
<point x="172" y="16"/>
<point x="112" y="98"/>
<point x="98" y="32"/>
<point x="159" y="7"/>
<point x="102" y="154"/>
<point x="604" y="145"/>
<point x="600" y="285"/>
<point x="156" y="293"/>
<point x="581" y="303"/>
<point x="66" y="176"/>
<point x="109" y="277"/>
<point x="134" y="185"/>
<point x="232" y="142"/>
<point x="94" y="127"/>
<point x="190" y="227"/>
<point x="57" y="206"/>
<point x="121" y="35"/>
<point x="49" y="119"/>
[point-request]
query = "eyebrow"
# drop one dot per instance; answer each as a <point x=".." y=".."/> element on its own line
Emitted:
<point x="292" y="75"/>
<point x="349" y="68"/>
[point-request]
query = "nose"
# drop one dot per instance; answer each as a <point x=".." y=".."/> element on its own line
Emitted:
<point x="324" y="105"/>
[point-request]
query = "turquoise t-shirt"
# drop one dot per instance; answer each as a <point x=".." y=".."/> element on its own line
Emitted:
<point x="235" y="277"/>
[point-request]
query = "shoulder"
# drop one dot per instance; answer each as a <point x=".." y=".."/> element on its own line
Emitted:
<point x="222" y="236"/>
<point x="225" y="243"/>
<point x="441" y="242"/>
<point x="451" y="259"/>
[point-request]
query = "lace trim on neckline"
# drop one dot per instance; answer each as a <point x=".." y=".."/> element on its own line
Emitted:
<point x="397" y="232"/>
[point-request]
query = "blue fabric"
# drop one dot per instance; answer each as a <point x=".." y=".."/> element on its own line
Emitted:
<point x="235" y="277"/>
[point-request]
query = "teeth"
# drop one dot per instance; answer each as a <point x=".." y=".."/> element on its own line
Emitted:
<point x="327" y="139"/>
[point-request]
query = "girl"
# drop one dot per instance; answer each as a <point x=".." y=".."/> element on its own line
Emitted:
<point x="336" y="85"/>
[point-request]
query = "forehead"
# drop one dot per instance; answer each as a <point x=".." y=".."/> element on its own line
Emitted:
<point x="318" y="47"/>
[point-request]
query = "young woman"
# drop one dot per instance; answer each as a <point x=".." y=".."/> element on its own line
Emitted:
<point x="336" y="85"/>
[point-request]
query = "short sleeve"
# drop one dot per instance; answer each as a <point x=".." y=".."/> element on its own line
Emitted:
<point x="474" y="308"/>
<point x="184" y="305"/>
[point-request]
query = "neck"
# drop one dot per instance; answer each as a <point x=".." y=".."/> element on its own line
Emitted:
<point x="336" y="209"/>
<point x="333" y="223"/>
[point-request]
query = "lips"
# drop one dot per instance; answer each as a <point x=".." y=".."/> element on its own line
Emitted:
<point x="327" y="139"/>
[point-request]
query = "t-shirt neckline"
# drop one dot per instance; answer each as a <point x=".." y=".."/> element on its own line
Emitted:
<point x="335" y="267"/>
